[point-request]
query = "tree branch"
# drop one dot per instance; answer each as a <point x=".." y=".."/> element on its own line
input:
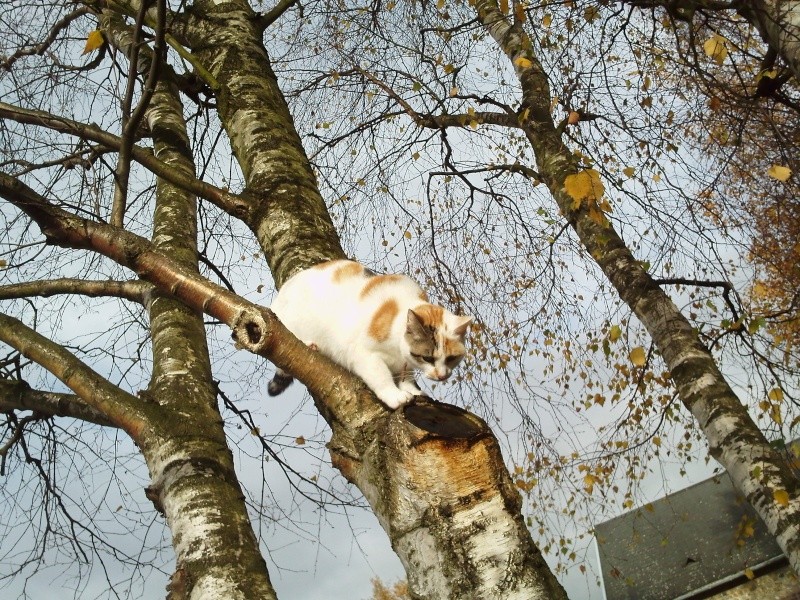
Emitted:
<point x="119" y="407"/>
<point x="132" y="120"/>
<point x="42" y="47"/>
<point x="136" y="291"/>
<point x="443" y="121"/>
<point x="231" y="203"/>
<point x="254" y="328"/>
<point x="18" y="395"/>
<point x="275" y="13"/>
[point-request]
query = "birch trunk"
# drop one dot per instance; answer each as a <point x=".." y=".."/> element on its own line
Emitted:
<point x="758" y="471"/>
<point x="193" y="479"/>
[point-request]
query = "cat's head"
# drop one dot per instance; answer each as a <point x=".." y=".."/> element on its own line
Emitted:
<point x="435" y="339"/>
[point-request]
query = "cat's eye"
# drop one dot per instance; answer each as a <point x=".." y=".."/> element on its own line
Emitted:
<point x="421" y="358"/>
<point x="452" y="359"/>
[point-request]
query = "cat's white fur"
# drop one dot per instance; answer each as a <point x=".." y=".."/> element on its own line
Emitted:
<point x="371" y="324"/>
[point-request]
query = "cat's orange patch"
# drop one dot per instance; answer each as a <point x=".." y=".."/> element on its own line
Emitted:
<point x="346" y="270"/>
<point x="381" y="323"/>
<point x="430" y="315"/>
<point x="375" y="282"/>
<point x="452" y="347"/>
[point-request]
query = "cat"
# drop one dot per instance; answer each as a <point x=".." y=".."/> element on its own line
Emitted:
<point x="380" y="327"/>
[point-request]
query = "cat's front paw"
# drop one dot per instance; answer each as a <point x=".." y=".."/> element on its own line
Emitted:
<point x="394" y="398"/>
<point x="408" y="385"/>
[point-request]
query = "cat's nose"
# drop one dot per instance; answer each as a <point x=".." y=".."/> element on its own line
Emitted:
<point x="441" y="375"/>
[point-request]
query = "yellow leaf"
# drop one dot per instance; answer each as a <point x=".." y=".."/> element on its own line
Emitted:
<point x="614" y="333"/>
<point x="749" y="573"/>
<point x="407" y="235"/>
<point x="519" y="12"/>
<point x="3" y="263"/>
<point x="574" y="117"/>
<point x="775" y="414"/>
<point x="629" y="171"/>
<point x="547" y="20"/>
<point x="522" y="62"/>
<point x="779" y="172"/>
<point x="781" y="497"/>
<point x="93" y="41"/>
<point x="638" y="356"/>
<point x="588" y="482"/>
<point x="760" y="290"/>
<point x="504" y="6"/>
<point x="584" y="185"/>
<point x="300" y="440"/>
<point x="440" y="4"/>
<point x="657" y="440"/>
<point x="596" y="214"/>
<point x="717" y="48"/>
<point x="775" y="394"/>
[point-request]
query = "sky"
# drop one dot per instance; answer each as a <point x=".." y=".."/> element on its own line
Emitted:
<point x="313" y="553"/>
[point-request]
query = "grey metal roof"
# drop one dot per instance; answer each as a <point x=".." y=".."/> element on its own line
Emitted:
<point x="681" y="543"/>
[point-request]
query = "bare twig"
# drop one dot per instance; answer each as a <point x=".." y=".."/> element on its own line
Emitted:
<point x="42" y="47"/>
<point x="231" y="203"/>
<point x="132" y="120"/>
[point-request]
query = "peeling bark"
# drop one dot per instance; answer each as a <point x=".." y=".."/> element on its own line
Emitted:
<point x="436" y="480"/>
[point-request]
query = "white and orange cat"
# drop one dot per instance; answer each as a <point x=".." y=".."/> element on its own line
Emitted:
<point x="380" y="327"/>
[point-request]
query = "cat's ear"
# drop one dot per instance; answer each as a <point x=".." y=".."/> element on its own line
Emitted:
<point x="414" y="326"/>
<point x="461" y="324"/>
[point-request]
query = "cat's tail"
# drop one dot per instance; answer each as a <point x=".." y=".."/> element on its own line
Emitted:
<point x="279" y="382"/>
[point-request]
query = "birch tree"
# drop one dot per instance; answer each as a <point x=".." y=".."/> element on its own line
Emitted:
<point x="432" y="473"/>
<point x="475" y="86"/>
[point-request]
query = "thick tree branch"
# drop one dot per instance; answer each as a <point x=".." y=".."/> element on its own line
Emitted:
<point x="119" y="407"/>
<point x="254" y="328"/>
<point x="275" y="13"/>
<point x="18" y="395"/>
<point x="135" y="291"/>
